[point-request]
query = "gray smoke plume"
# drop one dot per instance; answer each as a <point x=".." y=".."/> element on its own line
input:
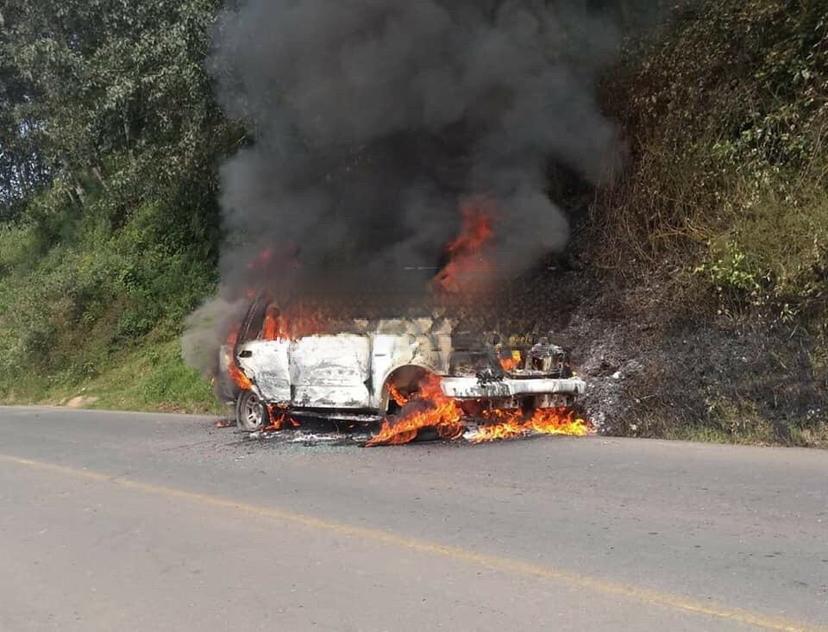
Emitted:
<point x="373" y="120"/>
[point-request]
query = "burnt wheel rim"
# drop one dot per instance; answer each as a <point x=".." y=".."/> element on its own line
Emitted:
<point x="252" y="411"/>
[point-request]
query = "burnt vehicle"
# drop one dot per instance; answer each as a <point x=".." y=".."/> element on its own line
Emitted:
<point x="358" y="370"/>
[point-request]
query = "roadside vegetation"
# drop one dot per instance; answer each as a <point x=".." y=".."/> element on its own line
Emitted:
<point x="721" y="220"/>
<point x="110" y="142"/>
<point x="726" y="115"/>
<point x="109" y="232"/>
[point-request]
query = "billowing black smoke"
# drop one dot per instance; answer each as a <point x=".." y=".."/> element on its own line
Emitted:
<point x="373" y="120"/>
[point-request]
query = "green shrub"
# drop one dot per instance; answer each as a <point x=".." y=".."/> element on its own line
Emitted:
<point x="728" y="120"/>
<point x="97" y="290"/>
<point x="732" y="271"/>
<point x="16" y="243"/>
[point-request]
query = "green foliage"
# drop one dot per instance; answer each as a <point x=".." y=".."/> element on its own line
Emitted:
<point x="727" y="113"/>
<point x="108" y="113"/>
<point x="98" y="292"/>
<point x="153" y="378"/>
<point x="776" y="246"/>
<point x="17" y="244"/>
<point x="731" y="270"/>
<point x="22" y="167"/>
<point x="113" y="76"/>
<point x="116" y="101"/>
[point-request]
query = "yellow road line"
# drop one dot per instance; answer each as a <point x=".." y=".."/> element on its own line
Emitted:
<point x="497" y="563"/>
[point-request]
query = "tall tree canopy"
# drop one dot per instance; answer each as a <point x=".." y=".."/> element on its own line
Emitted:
<point x="106" y="93"/>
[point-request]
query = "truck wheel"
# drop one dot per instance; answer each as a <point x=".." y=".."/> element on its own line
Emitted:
<point x="251" y="412"/>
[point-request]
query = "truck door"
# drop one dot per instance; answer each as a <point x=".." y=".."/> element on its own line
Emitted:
<point x="331" y="371"/>
<point x="267" y="364"/>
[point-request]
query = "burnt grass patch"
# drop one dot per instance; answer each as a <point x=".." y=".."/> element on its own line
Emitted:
<point x="662" y="360"/>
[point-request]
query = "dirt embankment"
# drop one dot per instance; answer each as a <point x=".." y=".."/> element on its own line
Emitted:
<point x="661" y="363"/>
<point x="696" y="298"/>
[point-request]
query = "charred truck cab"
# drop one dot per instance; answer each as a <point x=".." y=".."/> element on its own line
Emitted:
<point x="351" y="375"/>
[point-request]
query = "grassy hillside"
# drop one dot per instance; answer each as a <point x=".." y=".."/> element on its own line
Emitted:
<point x="99" y="313"/>
<point x="726" y="116"/>
<point x="712" y="247"/>
<point x="109" y="225"/>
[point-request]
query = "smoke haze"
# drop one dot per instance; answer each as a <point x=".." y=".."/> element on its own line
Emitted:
<point x="373" y="120"/>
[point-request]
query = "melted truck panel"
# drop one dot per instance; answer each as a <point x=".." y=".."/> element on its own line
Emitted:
<point x="331" y="371"/>
<point x="267" y="363"/>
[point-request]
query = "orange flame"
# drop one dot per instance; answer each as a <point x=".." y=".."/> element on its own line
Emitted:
<point x="280" y="419"/>
<point x="233" y="368"/>
<point x="511" y="363"/>
<point x="468" y="264"/>
<point x="262" y="260"/>
<point x="427" y="408"/>
<point x="277" y="326"/>
<point x="514" y="425"/>
<point x="272" y="328"/>
<point x="430" y="408"/>
<point x="395" y="394"/>
<point x="295" y="323"/>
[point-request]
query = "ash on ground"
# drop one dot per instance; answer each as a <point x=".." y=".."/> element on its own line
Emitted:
<point x="660" y="361"/>
<point x="310" y="438"/>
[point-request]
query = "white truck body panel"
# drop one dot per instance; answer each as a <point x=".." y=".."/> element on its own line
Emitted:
<point x="349" y="371"/>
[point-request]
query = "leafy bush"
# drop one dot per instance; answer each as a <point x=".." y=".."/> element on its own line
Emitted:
<point x="727" y="116"/>
<point x="111" y="146"/>
<point x="17" y="243"/>
<point x="102" y="291"/>
<point x="776" y="246"/>
<point x="730" y="270"/>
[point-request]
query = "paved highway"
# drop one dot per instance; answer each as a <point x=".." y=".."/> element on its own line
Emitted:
<point x="118" y="521"/>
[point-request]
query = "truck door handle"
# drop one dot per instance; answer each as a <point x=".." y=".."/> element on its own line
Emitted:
<point x="246" y="354"/>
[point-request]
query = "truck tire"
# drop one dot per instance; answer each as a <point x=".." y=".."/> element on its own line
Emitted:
<point x="251" y="412"/>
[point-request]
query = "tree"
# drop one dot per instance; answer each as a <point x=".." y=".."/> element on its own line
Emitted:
<point x="22" y="169"/>
<point x="105" y="94"/>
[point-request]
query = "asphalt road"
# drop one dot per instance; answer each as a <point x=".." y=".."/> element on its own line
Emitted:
<point x="112" y="521"/>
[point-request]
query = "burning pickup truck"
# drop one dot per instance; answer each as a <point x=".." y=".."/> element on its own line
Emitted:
<point x="408" y="374"/>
